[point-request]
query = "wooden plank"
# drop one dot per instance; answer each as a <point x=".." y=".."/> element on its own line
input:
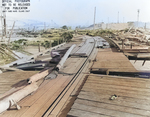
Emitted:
<point x="114" y="82"/>
<point x="131" y="80"/>
<point x="51" y="103"/>
<point x="73" y="67"/>
<point x="77" y="66"/>
<point x="61" y="103"/>
<point x="114" y="56"/>
<point x="120" y="78"/>
<point x="65" y="104"/>
<point x="103" y="111"/>
<point x="112" y="60"/>
<point x="36" y="99"/>
<point x="70" y="60"/>
<point x="112" y="64"/>
<point x="103" y="85"/>
<point x="65" y="98"/>
<point x="30" y="100"/>
<point x="143" y="55"/>
<point x="46" y="99"/>
<point x="113" y="107"/>
<point x="106" y="94"/>
<point x="126" y="93"/>
<point x="14" y="113"/>
<point x="13" y="81"/>
<point x="114" y="102"/>
<point x="82" y="113"/>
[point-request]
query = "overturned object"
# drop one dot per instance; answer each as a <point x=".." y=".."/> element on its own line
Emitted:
<point x="43" y="74"/>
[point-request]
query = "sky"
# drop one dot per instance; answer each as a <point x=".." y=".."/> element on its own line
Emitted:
<point x="81" y="12"/>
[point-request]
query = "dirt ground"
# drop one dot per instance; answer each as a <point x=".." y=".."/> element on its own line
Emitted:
<point x="33" y="49"/>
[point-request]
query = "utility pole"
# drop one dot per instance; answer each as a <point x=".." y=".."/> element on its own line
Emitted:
<point x="94" y="18"/>
<point x="11" y="33"/>
<point x="118" y="16"/>
<point x="138" y="17"/>
<point x="145" y="26"/>
<point x="44" y="26"/>
<point x="3" y="22"/>
<point x="33" y="29"/>
<point x="4" y="15"/>
<point x="108" y="23"/>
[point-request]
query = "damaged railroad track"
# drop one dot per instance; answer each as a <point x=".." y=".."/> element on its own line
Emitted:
<point x="64" y="93"/>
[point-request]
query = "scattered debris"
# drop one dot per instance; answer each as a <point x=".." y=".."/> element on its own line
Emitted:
<point x="11" y="100"/>
<point x="1" y="72"/>
<point x="113" y="97"/>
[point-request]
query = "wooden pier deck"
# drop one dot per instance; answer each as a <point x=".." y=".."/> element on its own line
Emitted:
<point x="10" y="80"/>
<point x="50" y="97"/>
<point x="131" y="94"/>
<point x="112" y="60"/>
<point x="94" y="98"/>
<point x="77" y="92"/>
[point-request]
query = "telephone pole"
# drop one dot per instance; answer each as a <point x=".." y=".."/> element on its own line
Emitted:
<point x="94" y="18"/>
<point x="44" y="26"/>
<point x="3" y="23"/>
<point x="138" y="17"/>
<point x="4" y="15"/>
<point x="11" y="33"/>
<point x="118" y="16"/>
<point x="108" y="23"/>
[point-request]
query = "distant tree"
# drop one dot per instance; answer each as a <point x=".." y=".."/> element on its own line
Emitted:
<point x="67" y="36"/>
<point x="55" y="43"/>
<point x="64" y="27"/>
<point x="46" y="44"/>
<point x="69" y="27"/>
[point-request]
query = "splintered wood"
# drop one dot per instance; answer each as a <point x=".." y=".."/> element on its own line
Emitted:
<point x="41" y="100"/>
<point x="94" y="99"/>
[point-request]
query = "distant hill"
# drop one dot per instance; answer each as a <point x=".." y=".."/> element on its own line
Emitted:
<point x="32" y="23"/>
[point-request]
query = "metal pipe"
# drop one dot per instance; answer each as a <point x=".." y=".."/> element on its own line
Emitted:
<point x="40" y="75"/>
<point x="65" y="57"/>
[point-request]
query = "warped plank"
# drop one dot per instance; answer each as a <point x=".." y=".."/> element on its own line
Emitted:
<point x="103" y="111"/>
<point x="115" y="102"/>
<point x="123" y="83"/>
<point x="113" y="107"/>
<point x="106" y="95"/>
<point x="82" y="113"/>
<point x="45" y="98"/>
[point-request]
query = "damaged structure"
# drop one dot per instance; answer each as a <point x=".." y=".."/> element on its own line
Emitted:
<point x="92" y="76"/>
